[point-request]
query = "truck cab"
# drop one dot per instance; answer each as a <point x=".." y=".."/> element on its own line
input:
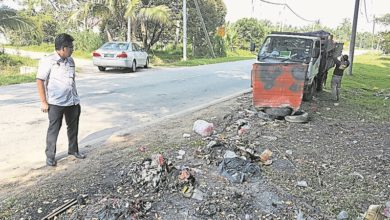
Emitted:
<point x="289" y="67"/>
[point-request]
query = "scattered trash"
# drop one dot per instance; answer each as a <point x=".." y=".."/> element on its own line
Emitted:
<point x="265" y="155"/>
<point x="265" y="116"/>
<point x="386" y="210"/>
<point x="185" y="135"/>
<point x="336" y="104"/>
<point x="289" y="152"/>
<point x="197" y="194"/>
<point x="229" y="154"/>
<point x="377" y="212"/>
<point x="302" y="184"/>
<point x="342" y="215"/>
<point x="243" y="129"/>
<point x="357" y="174"/>
<point x="203" y="128"/>
<point x="62" y="208"/>
<point x="181" y="154"/>
<point x="211" y="144"/>
<point x="267" y="163"/>
<point x="300" y="215"/>
<point x="237" y="170"/>
<point x="270" y="138"/>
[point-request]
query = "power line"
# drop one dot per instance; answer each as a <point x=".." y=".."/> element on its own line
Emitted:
<point x="365" y="10"/>
<point x="286" y="5"/>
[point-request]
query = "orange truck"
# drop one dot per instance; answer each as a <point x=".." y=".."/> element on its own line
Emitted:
<point x="291" y="67"/>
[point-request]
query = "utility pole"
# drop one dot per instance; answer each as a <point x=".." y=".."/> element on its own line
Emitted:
<point x="184" y="30"/>
<point x="353" y="37"/>
<point x="128" y="29"/>
<point x="204" y="28"/>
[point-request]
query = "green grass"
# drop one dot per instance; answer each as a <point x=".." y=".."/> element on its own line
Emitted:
<point x="10" y="72"/>
<point x="49" y="48"/>
<point x="368" y="88"/>
<point x="174" y="58"/>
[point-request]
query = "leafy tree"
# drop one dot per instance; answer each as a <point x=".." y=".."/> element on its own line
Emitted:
<point x="213" y="13"/>
<point x="385" y="36"/>
<point x="344" y="30"/>
<point x="385" y="19"/>
<point x="10" y="20"/>
<point x="249" y="30"/>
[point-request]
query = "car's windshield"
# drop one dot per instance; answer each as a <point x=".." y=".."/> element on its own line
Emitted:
<point x="286" y="48"/>
<point x="115" y="46"/>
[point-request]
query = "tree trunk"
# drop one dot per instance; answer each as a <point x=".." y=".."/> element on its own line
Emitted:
<point x="177" y="34"/>
<point x="109" y="36"/>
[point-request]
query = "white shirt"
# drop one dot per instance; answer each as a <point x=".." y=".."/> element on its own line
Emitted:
<point x="59" y="76"/>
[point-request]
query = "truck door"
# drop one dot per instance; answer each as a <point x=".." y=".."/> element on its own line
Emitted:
<point x="315" y="62"/>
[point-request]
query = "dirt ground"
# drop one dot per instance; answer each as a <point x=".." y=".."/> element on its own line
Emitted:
<point x="342" y="156"/>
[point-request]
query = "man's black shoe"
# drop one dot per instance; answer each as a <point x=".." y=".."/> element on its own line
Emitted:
<point x="51" y="162"/>
<point x="77" y="155"/>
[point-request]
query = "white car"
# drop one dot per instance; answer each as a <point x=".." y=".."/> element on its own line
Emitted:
<point x="120" y="55"/>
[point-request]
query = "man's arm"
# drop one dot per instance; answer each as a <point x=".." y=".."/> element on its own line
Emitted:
<point x="42" y="95"/>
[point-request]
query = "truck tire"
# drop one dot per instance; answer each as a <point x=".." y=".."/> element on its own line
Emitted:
<point x="298" y="117"/>
<point x="321" y="81"/>
<point x="278" y="112"/>
<point x="309" y="91"/>
<point x="265" y="116"/>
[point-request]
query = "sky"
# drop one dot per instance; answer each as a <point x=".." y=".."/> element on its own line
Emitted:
<point x="330" y="12"/>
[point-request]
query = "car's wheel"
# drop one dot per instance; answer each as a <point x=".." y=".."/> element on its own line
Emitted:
<point x="147" y="63"/>
<point x="102" y="68"/>
<point x="134" y="66"/>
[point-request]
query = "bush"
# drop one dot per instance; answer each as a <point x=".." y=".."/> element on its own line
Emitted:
<point x="87" y="41"/>
<point x="6" y="60"/>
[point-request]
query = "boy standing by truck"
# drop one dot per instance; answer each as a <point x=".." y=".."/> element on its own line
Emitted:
<point x="338" y="72"/>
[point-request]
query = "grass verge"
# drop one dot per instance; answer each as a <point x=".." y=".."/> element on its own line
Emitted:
<point x="368" y="88"/>
<point x="10" y="69"/>
<point x="174" y="58"/>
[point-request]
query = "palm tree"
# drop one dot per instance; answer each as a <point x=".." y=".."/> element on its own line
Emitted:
<point x="9" y="20"/>
<point x="126" y="13"/>
<point x="156" y="18"/>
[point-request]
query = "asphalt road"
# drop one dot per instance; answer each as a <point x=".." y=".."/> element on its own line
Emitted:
<point x="111" y="102"/>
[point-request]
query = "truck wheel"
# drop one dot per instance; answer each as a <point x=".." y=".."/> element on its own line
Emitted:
<point x="321" y="82"/>
<point x="309" y="91"/>
<point x="298" y="117"/>
<point x="278" y="112"/>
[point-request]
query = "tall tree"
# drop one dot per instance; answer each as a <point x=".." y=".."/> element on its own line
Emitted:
<point x="343" y="31"/>
<point x="10" y="20"/>
<point x="214" y="13"/>
<point x="384" y="42"/>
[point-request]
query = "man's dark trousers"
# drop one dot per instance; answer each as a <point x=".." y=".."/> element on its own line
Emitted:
<point x="72" y="115"/>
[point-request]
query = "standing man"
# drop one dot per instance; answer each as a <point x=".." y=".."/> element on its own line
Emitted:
<point x="338" y="72"/>
<point x="58" y="95"/>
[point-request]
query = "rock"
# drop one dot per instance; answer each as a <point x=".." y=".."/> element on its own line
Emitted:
<point x="203" y="128"/>
<point x="302" y="184"/>
<point x="229" y="154"/>
<point x="198" y="195"/>
<point x="342" y="215"/>
<point x="211" y="144"/>
<point x="289" y="152"/>
<point x="185" y="135"/>
<point x="39" y="210"/>
<point x="336" y="104"/>
<point x="270" y="138"/>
